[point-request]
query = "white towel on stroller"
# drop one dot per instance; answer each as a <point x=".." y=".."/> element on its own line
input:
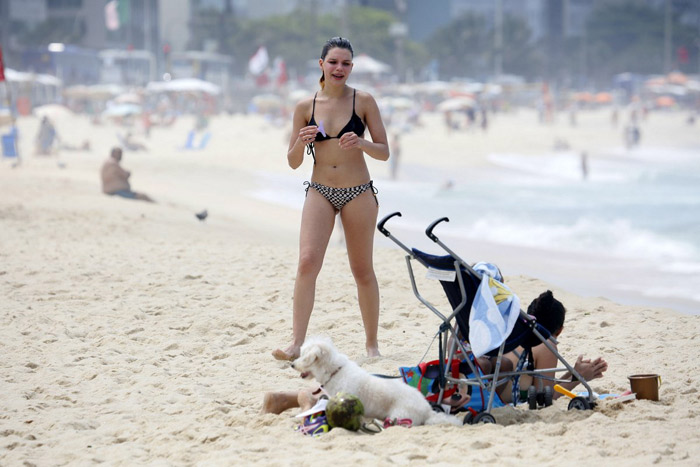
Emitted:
<point x="494" y="312"/>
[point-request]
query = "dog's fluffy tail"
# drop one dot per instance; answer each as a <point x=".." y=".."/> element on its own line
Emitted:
<point x="441" y="418"/>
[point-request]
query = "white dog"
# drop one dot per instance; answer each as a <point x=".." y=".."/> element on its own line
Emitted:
<point x="381" y="397"/>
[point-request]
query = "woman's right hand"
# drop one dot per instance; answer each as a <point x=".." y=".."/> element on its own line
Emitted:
<point x="308" y="134"/>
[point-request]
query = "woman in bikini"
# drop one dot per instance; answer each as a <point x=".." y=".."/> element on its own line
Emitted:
<point x="330" y="127"/>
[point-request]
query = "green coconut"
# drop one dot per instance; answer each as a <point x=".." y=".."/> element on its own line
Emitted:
<point x="345" y="411"/>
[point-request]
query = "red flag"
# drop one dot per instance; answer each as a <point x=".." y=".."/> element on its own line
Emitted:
<point x="2" y="67"/>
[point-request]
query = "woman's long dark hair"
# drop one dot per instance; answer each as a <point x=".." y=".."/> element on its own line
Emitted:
<point x="549" y="311"/>
<point x="332" y="43"/>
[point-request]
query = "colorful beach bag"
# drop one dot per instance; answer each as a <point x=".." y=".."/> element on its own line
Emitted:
<point x="425" y="375"/>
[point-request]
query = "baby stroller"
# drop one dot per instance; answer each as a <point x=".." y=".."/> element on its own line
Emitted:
<point x="453" y="343"/>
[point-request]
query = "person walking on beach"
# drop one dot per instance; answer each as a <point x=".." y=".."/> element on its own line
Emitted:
<point x="395" y="156"/>
<point x="115" y="180"/>
<point x="330" y="127"/>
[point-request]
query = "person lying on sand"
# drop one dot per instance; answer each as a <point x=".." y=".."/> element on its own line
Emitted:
<point x="550" y="313"/>
<point x="280" y="401"/>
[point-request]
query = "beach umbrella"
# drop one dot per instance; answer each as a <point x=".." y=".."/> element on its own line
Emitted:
<point x="583" y="97"/>
<point x="192" y="85"/>
<point x="433" y="87"/>
<point x="103" y="91"/>
<point x="493" y="90"/>
<point x="655" y="81"/>
<point x="18" y="76"/>
<point x="121" y="110"/>
<point x="298" y="94"/>
<point x="48" y="80"/>
<point x="456" y="103"/>
<point x="53" y="111"/>
<point x="665" y="101"/>
<point x="401" y="103"/>
<point x="676" y="77"/>
<point x="693" y="85"/>
<point x="76" y="92"/>
<point x="267" y="102"/>
<point x="364" y="64"/>
<point x="466" y="89"/>
<point x="603" y="98"/>
<point x="406" y="89"/>
<point x="675" y="89"/>
<point x="127" y="98"/>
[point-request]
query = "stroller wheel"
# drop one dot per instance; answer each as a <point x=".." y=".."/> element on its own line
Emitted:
<point x="468" y="418"/>
<point x="579" y="403"/>
<point x="548" y="396"/>
<point x="483" y="417"/>
<point x="532" y="398"/>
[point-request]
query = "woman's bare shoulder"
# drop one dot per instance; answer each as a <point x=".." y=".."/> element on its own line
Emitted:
<point x="304" y="103"/>
<point x="303" y="107"/>
<point x="363" y="96"/>
<point x="365" y="100"/>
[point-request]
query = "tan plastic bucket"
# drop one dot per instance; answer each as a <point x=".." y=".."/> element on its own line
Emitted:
<point x="646" y="386"/>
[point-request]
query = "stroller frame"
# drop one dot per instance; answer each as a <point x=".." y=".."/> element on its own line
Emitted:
<point x="450" y="340"/>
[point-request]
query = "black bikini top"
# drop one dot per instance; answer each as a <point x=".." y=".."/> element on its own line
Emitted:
<point x="355" y="125"/>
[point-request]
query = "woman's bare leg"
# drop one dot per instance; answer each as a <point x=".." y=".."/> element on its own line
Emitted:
<point x="317" y="221"/>
<point x="359" y="218"/>
<point x="278" y="402"/>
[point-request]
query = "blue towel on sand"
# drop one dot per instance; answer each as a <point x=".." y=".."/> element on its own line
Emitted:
<point x="493" y="315"/>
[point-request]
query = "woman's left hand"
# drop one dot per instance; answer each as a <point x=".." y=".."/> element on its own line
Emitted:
<point x="590" y="369"/>
<point x="349" y="141"/>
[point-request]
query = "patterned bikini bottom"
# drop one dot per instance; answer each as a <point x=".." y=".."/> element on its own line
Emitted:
<point x="339" y="197"/>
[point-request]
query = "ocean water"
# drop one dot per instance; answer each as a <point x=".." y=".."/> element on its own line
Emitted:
<point x="630" y="231"/>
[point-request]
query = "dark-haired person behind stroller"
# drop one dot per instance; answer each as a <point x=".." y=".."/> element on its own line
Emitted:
<point x="550" y="313"/>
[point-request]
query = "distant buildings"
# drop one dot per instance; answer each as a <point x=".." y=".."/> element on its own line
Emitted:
<point x="77" y="30"/>
<point x="160" y="30"/>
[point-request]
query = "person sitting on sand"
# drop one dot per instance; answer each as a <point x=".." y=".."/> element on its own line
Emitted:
<point x="550" y="313"/>
<point x="46" y="137"/>
<point x="115" y="180"/>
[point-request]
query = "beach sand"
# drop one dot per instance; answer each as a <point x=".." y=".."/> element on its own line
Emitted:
<point x="135" y="334"/>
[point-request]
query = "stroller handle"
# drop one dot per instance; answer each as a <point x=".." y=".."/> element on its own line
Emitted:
<point x="380" y="226"/>
<point x="429" y="230"/>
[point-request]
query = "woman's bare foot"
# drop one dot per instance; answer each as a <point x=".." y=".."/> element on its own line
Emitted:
<point x="289" y="354"/>
<point x="373" y="352"/>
